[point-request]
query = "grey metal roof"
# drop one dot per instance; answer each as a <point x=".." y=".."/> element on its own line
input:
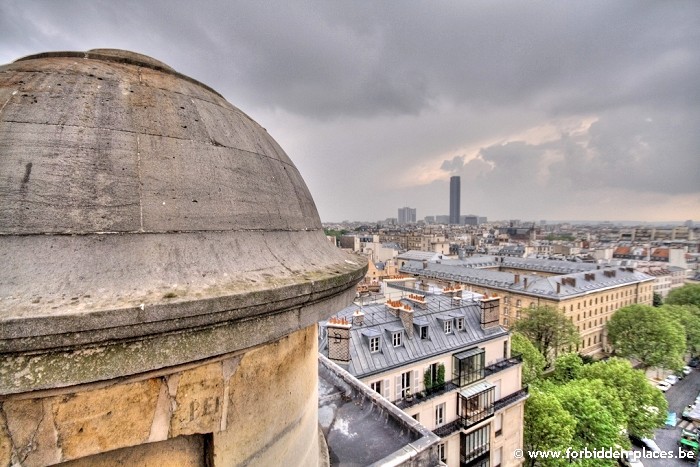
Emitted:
<point x="588" y="279"/>
<point x="377" y="317"/>
<point x="418" y="255"/>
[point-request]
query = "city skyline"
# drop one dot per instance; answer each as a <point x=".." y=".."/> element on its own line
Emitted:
<point x="546" y="111"/>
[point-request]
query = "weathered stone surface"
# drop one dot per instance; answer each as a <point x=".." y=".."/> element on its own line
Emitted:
<point x="198" y="401"/>
<point x="183" y="451"/>
<point x="32" y="432"/>
<point x="105" y="419"/>
<point x="164" y="268"/>
<point x="136" y="201"/>
<point x="5" y="442"/>
<point x="275" y="392"/>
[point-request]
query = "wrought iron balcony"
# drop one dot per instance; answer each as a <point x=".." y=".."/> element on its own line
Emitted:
<point x="423" y="396"/>
<point x="504" y="364"/>
<point x="467" y="422"/>
<point x="511" y="398"/>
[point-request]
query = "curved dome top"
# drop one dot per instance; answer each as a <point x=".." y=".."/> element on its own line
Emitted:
<point x="135" y="200"/>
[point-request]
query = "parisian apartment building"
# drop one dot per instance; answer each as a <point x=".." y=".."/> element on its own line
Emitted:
<point x="442" y="357"/>
<point x="587" y="293"/>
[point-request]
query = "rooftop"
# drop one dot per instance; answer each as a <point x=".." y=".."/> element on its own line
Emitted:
<point x="568" y="284"/>
<point x="363" y="428"/>
<point x="379" y="322"/>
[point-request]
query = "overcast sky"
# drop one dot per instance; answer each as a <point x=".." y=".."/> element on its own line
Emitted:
<point x="556" y="110"/>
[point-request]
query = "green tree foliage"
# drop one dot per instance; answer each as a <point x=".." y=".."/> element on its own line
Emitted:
<point x="567" y="367"/>
<point x="689" y="294"/>
<point x="580" y="414"/>
<point x="648" y="335"/>
<point x="533" y="361"/>
<point x="603" y="399"/>
<point x="548" y="329"/>
<point x="548" y="426"/>
<point x="644" y="406"/>
<point x="657" y="300"/>
<point x="598" y="415"/>
<point x="688" y="316"/>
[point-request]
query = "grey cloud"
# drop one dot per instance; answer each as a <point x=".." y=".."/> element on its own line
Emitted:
<point x="376" y="87"/>
<point x="454" y="165"/>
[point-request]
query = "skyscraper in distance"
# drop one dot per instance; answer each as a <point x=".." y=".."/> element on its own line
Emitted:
<point x="454" y="199"/>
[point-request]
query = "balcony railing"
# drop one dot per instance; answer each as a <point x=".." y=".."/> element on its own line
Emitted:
<point x="511" y="398"/>
<point x="448" y="386"/>
<point x="467" y="422"/>
<point x="504" y="364"/>
<point x="425" y="395"/>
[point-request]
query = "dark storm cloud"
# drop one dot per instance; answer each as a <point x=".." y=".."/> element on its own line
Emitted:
<point x="383" y="88"/>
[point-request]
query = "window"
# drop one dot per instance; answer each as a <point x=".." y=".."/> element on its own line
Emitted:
<point x="439" y="414"/>
<point x="447" y="325"/>
<point x="416" y="417"/>
<point x="505" y="349"/>
<point x="376" y="386"/>
<point x="475" y="403"/>
<point x="423" y="331"/>
<point x="474" y="444"/>
<point x="498" y="424"/>
<point x="396" y="339"/>
<point x="374" y="344"/>
<point x="405" y="385"/>
<point x="459" y="324"/>
<point x="468" y="366"/>
<point x="441" y="452"/>
<point x="517" y="303"/>
<point x="497" y="457"/>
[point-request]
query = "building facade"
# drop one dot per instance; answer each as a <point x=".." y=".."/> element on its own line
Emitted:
<point x="455" y="196"/>
<point x="587" y="293"/>
<point x="442" y="358"/>
<point x="407" y="215"/>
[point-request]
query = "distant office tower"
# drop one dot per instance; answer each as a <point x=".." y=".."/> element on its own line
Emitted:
<point x="407" y="215"/>
<point x="454" y="200"/>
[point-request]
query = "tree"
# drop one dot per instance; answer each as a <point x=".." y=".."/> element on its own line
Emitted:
<point x="688" y="316"/>
<point x="567" y="367"/>
<point x="599" y="416"/>
<point x="657" y="300"/>
<point x="689" y="294"/>
<point x="644" y="406"/>
<point x="548" y="329"/>
<point x="533" y="361"/>
<point x="547" y="426"/>
<point x="647" y="334"/>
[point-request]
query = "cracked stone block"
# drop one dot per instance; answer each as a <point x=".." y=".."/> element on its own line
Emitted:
<point x="106" y="419"/>
<point x="32" y="433"/>
<point x="198" y="401"/>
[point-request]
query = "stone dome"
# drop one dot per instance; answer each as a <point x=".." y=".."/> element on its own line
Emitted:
<point x="137" y="204"/>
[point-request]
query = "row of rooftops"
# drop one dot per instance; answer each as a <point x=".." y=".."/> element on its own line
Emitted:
<point x="589" y="278"/>
<point x="429" y="335"/>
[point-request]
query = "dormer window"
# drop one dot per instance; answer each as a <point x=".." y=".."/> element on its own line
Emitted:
<point x="423" y="332"/>
<point x="459" y="323"/>
<point x="447" y="326"/>
<point x="396" y="339"/>
<point x="374" y="344"/>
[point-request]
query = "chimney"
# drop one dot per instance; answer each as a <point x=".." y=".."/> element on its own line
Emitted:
<point x="525" y="283"/>
<point x="406" y="315"/>
<point x="558" y="287"/>
<point x="490" y="312"/>
<point x="338" y="339"/>
<point x="358" y="318"/>
<point x="516" y="279"/>
<point x="393" y="307"/>
<point x="425" y="264"/>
